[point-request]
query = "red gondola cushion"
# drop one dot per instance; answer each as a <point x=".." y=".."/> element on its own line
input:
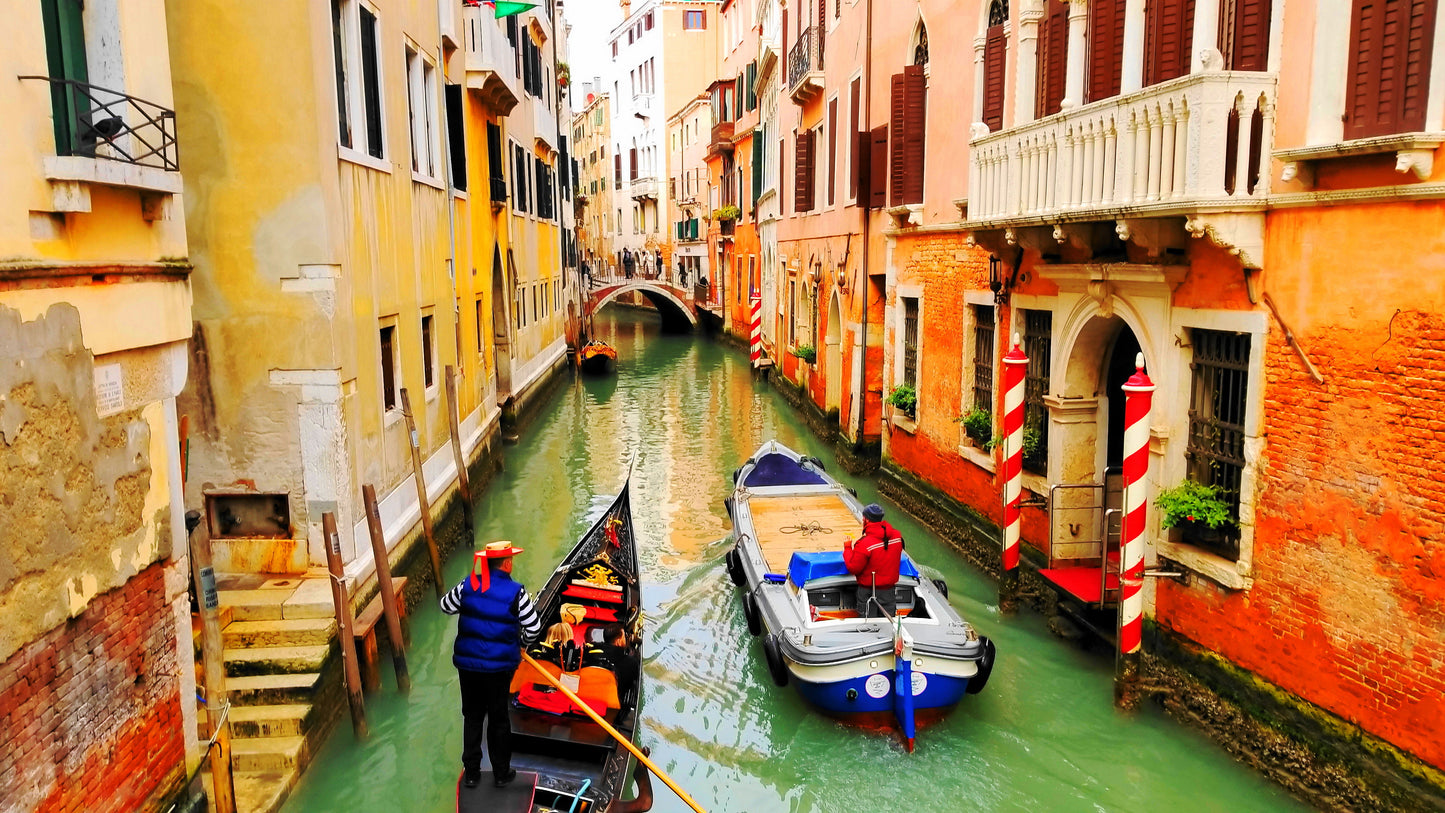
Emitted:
<point x="594" y="593"/>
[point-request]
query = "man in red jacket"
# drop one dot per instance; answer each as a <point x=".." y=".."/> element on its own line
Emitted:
<point x="874" y="559"/>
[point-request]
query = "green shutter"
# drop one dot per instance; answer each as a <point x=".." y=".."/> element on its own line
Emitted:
<point x="758" y="134"/>
<point x="65" y="57"/>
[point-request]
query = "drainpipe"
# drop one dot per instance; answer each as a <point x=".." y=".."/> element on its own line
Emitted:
<point x="867" y="127"/>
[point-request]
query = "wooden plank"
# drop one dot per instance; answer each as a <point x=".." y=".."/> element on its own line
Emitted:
<point x="514" y="798"/>
<point x="811" y="524"/>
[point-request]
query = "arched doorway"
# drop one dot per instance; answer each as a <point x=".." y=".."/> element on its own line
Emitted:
<point x="501" y="328"/>
<point x="833" y="358"/>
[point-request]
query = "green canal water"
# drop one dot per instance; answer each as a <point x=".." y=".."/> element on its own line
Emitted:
<point x="1043" y="736"/>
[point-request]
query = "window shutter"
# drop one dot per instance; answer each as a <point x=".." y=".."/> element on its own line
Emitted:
<point x="1106" y="48"/>
<point x="832" y="150"/>
<point x="1250" y="41"/>
<point x="803" y="169"/>
<point x="855" y="153"/>
<point x="632" y="160"/>
<point x="1390" y="66"/>
<point x="822" y="29"/>
<point x="915" y="131"/>
<point x="862" y="143"/>
<point x="1419" y="31"/>
<point x="897" y="123"/>
<point x="1053" y="58"/>
<point x="758" y="135"/>
<point x="1168" y="34"/>
<point x="617" y="168"/>
<point x="994" y="58"/>
<point x="786" y="44"/>
<point x="878" y="167"/>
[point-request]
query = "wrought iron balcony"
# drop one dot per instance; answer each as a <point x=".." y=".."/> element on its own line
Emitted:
<point x="95" y="122"/>
<point x="805" y="67"/>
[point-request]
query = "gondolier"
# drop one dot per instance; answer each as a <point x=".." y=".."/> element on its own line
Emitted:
<point x="875" y="559"/>
<point x="497" y="619"/>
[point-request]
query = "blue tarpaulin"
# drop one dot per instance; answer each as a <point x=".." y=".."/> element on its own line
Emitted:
<point x="780" y="470"/>
<point x="806" y="567"/>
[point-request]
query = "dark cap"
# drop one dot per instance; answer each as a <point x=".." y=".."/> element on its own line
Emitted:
<point x="873" y="512"/>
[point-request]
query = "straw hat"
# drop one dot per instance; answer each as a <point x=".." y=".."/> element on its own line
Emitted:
<point x="499" y="550"/>
<point x="573" y="613"/>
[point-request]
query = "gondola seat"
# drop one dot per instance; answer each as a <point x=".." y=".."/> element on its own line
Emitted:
<point x="597" y="687"/>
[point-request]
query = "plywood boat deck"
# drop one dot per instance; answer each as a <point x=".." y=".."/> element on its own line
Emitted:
<point x="811" y="524"/>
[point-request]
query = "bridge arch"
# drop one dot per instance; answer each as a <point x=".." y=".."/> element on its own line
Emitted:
<point x="677" y="312"/>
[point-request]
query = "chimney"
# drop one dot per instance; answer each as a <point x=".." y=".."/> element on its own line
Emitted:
<point x="626" y="7"/>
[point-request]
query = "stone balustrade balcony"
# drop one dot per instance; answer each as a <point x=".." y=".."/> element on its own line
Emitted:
<point x="1197" y="147"/>
<point x="490" y="63"/>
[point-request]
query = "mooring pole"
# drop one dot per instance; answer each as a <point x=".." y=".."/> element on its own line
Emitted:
<point x="1138" y="400"/>
<point x="388" y="593"/>
<point x="215" y="668"/>
<point x="423" y="503"/>
<point x="464" y="480"/>
<point x="1015" y="364"/>
<point x="343" y="627"/>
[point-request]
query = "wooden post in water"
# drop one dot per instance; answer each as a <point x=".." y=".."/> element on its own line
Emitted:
<point x="423" y="503"/>
<point x="464" y="480"/>
<point x="388" y="593"/>
<point x="343" y="627"/>
<point x="215" y="668"/>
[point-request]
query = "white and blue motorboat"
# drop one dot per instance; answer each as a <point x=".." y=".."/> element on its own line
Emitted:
<point x="790" y="522"/>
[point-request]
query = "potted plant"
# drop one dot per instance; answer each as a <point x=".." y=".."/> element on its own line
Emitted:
<point x="978" y="425"/>
<point x="1194" y="504"/>
<point x="905" y="398"/>
<point x="806" y="353"/>
<point x="726" y="213"/>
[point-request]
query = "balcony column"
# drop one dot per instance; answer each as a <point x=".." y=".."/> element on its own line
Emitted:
<point x="978" y="46"/>
<point x="1132" y="72"/>
<point x="1078" y="43"/>
<point x="1206" y="56"/>
<point x="1026" y="91"/>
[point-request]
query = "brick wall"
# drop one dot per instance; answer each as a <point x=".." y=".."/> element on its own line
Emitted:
<point x="90" y="716"/>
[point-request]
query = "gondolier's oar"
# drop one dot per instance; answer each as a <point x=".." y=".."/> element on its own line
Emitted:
<point x="579" y="703"/>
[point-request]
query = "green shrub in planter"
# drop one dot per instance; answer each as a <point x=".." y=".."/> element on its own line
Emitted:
<point x="806" y="353"/>
<point x="728" y="212"/>
<point x="1194" y="502"/>
<point x="978" y="425"/>
<point x="1032" y="438"/>
<point x="904" y="397"/>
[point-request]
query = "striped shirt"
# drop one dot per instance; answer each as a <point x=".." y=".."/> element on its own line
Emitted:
<point x="524" y="608"/>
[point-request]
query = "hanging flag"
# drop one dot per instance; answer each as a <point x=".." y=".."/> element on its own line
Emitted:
<point x="502" y="8"/>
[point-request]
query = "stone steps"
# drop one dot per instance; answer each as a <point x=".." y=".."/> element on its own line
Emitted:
<point x="278" y="633"/>
<point x="270" y="660"/>
<point x="273" y="690"/>
<point x="268" y="754"/>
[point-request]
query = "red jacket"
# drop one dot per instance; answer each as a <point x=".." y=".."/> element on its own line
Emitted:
<point x="874" y="558"/>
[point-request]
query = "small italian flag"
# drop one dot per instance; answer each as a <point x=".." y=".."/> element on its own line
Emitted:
<point x="503" y="8"/>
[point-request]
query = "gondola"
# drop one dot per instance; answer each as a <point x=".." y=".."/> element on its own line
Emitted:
<point x="597" y="357"/>
<point x="565" y="761"/>
<point x="790" y="522"/>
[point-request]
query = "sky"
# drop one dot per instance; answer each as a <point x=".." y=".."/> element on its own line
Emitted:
<point x="591" y="21"/>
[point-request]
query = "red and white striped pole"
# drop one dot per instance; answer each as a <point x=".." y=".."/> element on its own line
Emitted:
<point x="1015" y="365"/>
<point x="756" y="341"/>
<point x="1138" y="400"/>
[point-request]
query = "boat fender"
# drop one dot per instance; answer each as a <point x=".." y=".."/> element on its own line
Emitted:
<point x="816" y="462"/>
<point x="735" y="567"/>
<point x="851" y="694"/>
<point x="942" y="586"/>
<point x="777" y="669"/>
<point x="752" y="614"/>
<point x="985" y="667"/>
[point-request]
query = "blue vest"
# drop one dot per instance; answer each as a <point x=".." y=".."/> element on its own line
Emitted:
<point x="488" y="631"/>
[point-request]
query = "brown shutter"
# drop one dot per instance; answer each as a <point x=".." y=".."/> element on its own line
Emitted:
<point x="1168" y="33"/>
<point x="782" y="173"/>
<point x="1420" y="38"/>
<point x="803" y="168"/>
<point x="994" y="57"/>
<point x="1106" y="48"/>
<point x="617" y="168"/>
<point x="862" y="145"/>
<point x="915" y="131"/>
<point x="632" y="159"/>
<point x="1250" y="41"/>
<point x="897" y="123"/>
<point x="1390" y="66"/>
<point x="832" y="149"/>
<point x="855" y="152"/>
<point x="786" y="45"/>
<point x="878" y="167"/>
<point x="1053" y="57"/>
<point x="822" y="28"/>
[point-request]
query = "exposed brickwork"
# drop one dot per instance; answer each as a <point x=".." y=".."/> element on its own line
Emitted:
<point x="90" y="712"/>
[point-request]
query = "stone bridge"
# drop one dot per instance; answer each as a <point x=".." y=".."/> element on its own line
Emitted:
<point x="674" y="303"/>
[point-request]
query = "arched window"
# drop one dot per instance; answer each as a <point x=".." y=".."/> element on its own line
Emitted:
<point x="920" y="45"/>
<point x="994" y="59"/>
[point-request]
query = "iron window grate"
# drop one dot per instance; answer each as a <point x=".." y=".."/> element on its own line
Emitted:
<point x="910" y="342"/>
<point x="1215" y="452"/>
<point x="1038" y="330"/>
<point x="983" y="357"/>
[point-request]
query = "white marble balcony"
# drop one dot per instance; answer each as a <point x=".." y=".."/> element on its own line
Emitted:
<point x="491" y="63"/>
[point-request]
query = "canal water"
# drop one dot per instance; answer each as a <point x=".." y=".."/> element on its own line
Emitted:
<point x="1043" y="736"/>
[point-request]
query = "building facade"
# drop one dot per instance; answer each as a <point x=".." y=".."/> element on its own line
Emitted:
<point x="97" y="691"/>
<point x="732" y="229"/>
<point x="592" y="134"/>
<point x="689" y="190"/>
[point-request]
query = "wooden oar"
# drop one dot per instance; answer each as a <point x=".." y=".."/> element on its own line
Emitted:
<point x="577" y="701"/>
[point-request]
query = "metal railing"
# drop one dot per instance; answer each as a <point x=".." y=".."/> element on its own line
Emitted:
<point x="96" y="122"/>
<point x="804" y="57"/>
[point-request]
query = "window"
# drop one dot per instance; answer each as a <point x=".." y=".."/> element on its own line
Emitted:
<point x="388" y="367"/>
<point x="910" y="342"/>
<point x="1053" y="54"/>
<point x="647" y="21"/>
<point x="480" y="343"/>
<point x="422" y="113"/>
<point x="983" y="357"/>
<point x="994" y="59"/>
<point x="496" y="172"/>
<point x="803" y="170"/>
<point x="1244" y="25"/>
<point x="1105" y="29"/>
<point x="793" y="322"/>
<point x="1168" y="35"/>
<point x="358" y="103"/>
<point x="1215" y="453"/>
<point x="428" y="352"/>
<point x="908" y="123"/>
<point x="694" y="20"/>
<point x="832" y="148"/>
<point x="1038" y="331"/>
<point x="456" y="137"/>
<point x="1389" y="66"/>
<point x="614" y="49"/>
<point x="854" y="142"/>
